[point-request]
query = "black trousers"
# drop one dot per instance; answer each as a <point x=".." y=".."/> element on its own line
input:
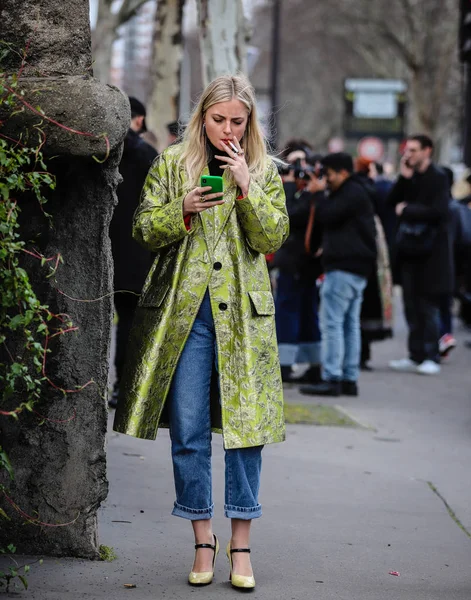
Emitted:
<point x="423" y="317"/>
<point x="365" y="349"/>
<point x="125" y="305"/>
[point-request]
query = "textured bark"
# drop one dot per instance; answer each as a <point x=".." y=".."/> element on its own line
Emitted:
<point x="60" y="464"/>
<point x="165" y="73"/>
<point x="223" y="37"/>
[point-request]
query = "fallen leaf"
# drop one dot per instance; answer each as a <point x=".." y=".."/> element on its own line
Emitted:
<point x="130" y="585"/>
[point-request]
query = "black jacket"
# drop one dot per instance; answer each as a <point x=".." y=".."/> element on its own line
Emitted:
<point x="349" y="240"/>
<point x="292" y="256"/>
<point x="131" y="261"/>
<point x="427" y="196"/>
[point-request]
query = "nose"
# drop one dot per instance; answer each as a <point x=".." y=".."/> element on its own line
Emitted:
<point x="227" y="127"/>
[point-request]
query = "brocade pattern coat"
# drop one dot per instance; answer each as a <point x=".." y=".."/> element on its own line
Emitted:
<point x="223" y="253"/>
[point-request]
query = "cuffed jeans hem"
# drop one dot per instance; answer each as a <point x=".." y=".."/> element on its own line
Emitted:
<point x="309" y="352"/>
<point x="240" y="512"/>
<point x="287" y="354"/>
<point x="193" y="514"/>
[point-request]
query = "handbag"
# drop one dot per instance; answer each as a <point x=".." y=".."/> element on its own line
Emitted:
<point x="415" y="240"/>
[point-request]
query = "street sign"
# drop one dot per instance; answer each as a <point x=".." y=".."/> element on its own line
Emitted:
<point x="375" y="108"/>
<point x="371" y="148"/>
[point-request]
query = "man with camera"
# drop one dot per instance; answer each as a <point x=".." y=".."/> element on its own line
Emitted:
<point x="298" y="267"/>
<point x="349" y="254"/>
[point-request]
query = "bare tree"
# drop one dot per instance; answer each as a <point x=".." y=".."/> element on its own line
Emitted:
<point x="111" y="15"/>
<point x="322" y="43"/>
<point x="223" y="37"/>
<point x="166" y="63"/>
<point x="411" y="38"/>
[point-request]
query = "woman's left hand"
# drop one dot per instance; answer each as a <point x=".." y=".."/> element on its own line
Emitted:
<point x="237" y="164"/>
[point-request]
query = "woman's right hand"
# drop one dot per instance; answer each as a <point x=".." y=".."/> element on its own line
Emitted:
<point x="195" y="202"/>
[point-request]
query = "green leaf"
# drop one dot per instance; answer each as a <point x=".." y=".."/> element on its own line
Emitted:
<point x="24" y="581"/>
<point x="4" y="514"/>
<point x="5" y="464"/>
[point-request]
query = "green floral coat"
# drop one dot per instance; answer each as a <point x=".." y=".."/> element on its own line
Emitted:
<point x="223" y="252"/>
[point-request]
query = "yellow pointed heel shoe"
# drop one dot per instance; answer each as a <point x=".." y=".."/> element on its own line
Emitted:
<point x="246" y="582"/>
<point x="206" y="577"/>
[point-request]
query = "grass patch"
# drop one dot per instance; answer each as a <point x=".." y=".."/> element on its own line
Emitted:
<point x="317" y="414"/>
<point x="107" y="554"/>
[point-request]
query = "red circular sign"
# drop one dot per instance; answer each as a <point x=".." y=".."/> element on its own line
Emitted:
<point x="371" y="148"/>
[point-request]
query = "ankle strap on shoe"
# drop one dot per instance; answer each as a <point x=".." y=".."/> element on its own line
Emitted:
<point x="240" y="550"/>
<point x="212" y="546"/>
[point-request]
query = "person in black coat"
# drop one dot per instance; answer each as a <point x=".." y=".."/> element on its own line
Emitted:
<point x="349" y="255"/>
<point x="131" y="261"/>
<point x="296" y="299"/>
<point x="424" y="252"/>
<point x="372" y="318"/>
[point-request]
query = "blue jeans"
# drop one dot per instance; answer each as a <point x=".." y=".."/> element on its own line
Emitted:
<point x="297" y="323"/>
<point x="190" y="432"/>
<point x="341" y="299"/>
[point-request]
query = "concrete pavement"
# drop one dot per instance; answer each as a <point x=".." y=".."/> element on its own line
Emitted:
<point x="342" y="507"/>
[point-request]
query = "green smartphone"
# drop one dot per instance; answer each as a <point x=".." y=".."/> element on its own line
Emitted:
<point x="214" y="181"/>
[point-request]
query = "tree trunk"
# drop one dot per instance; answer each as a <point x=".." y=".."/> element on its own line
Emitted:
<point x="103" y="37"/>
<point x="165" y="72"/>
<point x="103" y="52"/>
<point x="223" y="37"/>
<point x="59" y="459"/>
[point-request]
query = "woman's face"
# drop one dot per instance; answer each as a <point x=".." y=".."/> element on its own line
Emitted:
<point x="225" y="120"/>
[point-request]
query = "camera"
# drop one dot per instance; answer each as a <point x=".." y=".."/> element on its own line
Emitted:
<point x="303" y="172"/>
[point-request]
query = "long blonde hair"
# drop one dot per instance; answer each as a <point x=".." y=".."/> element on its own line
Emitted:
<point x="195" y="155"/>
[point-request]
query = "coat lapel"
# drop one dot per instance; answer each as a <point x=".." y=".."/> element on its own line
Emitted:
<point x="221" y="214"/>
<point x="215" y="219"/>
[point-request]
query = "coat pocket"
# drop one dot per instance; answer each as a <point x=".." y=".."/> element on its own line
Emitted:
<point x="263" y="303"/>
<point x="153" y="297"/>
<point x="160" y="278"/>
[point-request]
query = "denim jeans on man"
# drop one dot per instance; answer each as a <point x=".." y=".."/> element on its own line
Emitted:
<point x="297" y="322"/>
<point x="341" y="298"/>
<point x="190" y="432"/>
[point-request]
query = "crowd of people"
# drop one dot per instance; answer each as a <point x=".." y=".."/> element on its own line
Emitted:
<point x="202" y="326"/>
<point x="353" y="233"/>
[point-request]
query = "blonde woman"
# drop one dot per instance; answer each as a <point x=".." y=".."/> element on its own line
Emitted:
<point x="203" y="354"/>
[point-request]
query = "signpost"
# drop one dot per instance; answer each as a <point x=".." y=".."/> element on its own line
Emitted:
<point x="375" y="108"/>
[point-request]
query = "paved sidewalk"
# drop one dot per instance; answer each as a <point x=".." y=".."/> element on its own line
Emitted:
<point x="342" y="507"/>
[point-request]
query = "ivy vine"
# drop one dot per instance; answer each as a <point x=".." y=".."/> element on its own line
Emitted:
<point x="23" y="318"/>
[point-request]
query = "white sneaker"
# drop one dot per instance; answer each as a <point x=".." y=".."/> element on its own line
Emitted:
<point x="446" y="344"/>
<point x="429" y="367"/>
<point x="405" y="365"/>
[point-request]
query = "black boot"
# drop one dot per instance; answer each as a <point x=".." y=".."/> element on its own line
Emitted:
<point x="349" y="388"/>
<point x="312" y="375"/>
<point x="113" y="400"/>
<point x="286" y="374"/>
<point x="325" y="388"/>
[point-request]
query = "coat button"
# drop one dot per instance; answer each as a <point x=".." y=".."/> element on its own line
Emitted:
<point x="223" y="306"/>
<point x="217" y="266"/>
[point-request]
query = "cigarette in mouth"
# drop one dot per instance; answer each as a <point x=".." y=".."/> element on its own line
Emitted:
<point x="233" y="147"/>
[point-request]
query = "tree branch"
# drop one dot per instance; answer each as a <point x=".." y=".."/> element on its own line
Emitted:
<point x="409" y="17"/>
<point x="128" y="10"/>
